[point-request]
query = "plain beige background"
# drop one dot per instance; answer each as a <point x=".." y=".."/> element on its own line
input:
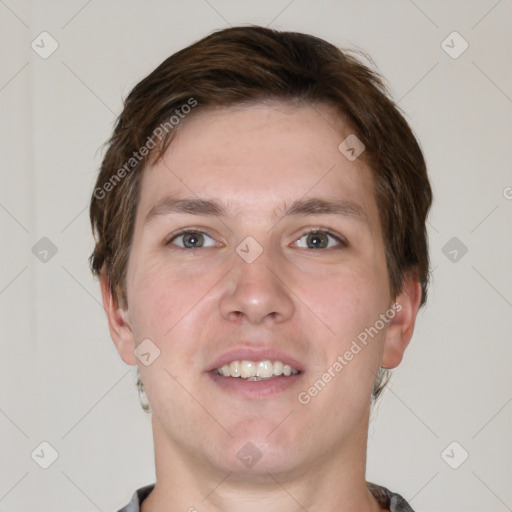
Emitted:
<point x="61" y="380"/>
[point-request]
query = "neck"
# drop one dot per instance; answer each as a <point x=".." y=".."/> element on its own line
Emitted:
<point x="336" y="481"/>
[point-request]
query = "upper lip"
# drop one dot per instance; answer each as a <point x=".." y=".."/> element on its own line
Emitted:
<point x="255" y="354"/>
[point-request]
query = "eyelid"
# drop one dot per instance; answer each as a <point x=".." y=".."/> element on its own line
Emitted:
<point x="342" y="241"/>
<point x="190" y="229"/>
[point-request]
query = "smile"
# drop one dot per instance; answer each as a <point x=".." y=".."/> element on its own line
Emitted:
<point x="256" y="370"/>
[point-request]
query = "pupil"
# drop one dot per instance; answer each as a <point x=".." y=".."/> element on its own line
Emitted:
<point x="314" y="239"/>
<point x="189" y="237"/>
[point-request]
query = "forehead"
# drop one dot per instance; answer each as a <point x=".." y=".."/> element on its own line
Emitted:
<point x="258" y="157"/>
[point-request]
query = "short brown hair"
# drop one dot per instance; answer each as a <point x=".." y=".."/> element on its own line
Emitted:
<point x="244" y="65"/>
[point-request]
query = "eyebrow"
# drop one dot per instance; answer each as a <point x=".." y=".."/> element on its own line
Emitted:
<point x="311" y="206"/>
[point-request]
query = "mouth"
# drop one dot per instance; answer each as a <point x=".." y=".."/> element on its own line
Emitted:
<point x="255" y="373"/>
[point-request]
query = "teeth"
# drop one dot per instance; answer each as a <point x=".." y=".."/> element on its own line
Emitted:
<point x="234" y="369"/>
<point x="248" y="369"/>
<point x="278" y="367"/>
<point x="224" y="370"/>
<point x="265" y="369"/>
<point x="252" y="370"/>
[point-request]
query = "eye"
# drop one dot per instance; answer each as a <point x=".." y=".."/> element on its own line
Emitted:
<point x="191" y="240"/>
<point x="319" y="239"/>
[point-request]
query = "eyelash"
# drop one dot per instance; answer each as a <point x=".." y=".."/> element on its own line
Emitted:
<point x="341" y="240"/>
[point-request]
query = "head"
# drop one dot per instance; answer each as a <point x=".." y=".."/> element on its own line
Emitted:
<point x="253" y="109"/>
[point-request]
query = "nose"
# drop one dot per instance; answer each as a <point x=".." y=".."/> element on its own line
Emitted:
<point x="256" y="292"/>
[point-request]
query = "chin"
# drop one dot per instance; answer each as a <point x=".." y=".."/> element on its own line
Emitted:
<point x="249" y="463"/>
<point x="262" y="447"/>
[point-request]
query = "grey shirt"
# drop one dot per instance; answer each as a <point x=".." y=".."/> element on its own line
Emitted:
<point x="386" y="499"/>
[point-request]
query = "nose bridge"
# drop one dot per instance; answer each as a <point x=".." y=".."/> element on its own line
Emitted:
<point x="257" y="289"/>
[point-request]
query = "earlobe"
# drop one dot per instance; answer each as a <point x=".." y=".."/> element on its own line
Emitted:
<point x="401" y="326"/>
<point x="118" y="323"/>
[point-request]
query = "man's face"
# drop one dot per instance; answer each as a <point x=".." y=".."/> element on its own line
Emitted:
<point x="252" y="284"/>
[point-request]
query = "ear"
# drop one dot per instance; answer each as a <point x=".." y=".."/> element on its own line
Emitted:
<point x="401" y="327"/>
<point x="118" y="323"/>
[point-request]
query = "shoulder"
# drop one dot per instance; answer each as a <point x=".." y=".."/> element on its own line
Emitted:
<point x="388" y="499"/>
<point x="138" y="497"/>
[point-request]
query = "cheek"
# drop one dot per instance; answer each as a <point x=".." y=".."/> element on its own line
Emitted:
<point x="166" y="300"/>
<point x="350" y="298"/>
<point x="351" y="304"/>
<point x="340" y="385"/>
<point x="154" y="300"/>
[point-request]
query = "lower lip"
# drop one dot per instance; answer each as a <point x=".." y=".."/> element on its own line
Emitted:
<point x="255" y="389"/>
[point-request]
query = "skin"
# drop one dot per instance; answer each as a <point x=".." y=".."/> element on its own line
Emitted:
<point x="311" y="303"/>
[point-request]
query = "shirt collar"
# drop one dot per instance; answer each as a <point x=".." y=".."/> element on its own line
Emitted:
<point x="386" y="498"/>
